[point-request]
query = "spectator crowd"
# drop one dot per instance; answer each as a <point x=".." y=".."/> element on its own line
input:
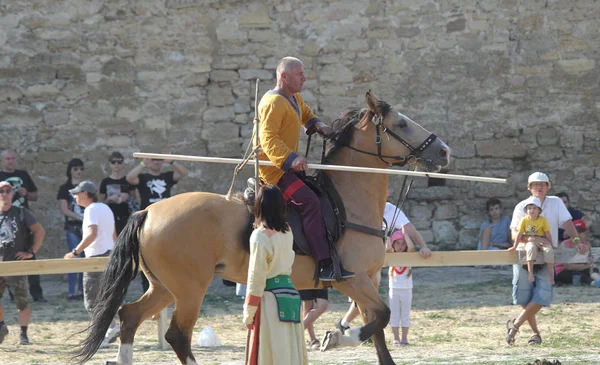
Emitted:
<point x="93" y="218"/>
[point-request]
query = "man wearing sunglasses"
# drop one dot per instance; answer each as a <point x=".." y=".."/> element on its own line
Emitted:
<point x="14" y="225"/>
<point x="115" y="191"/>
<point x="24" y="192"/>
<point x="155" y="185"/>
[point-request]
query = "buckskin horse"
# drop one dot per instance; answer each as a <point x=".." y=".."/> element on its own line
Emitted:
<point x="182" y="242"/>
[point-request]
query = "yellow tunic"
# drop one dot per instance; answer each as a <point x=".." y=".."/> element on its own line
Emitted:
<point x="279" y="342"/>
<point x="279" y="132"/>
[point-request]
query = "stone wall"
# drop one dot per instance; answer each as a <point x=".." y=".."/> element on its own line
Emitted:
<point x="512" y="86"/>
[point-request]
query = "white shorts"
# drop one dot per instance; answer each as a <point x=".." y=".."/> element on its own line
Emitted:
<point x="400" y="303"/>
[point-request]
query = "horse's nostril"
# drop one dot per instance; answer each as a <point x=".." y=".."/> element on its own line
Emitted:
<point x="443" y="152"/>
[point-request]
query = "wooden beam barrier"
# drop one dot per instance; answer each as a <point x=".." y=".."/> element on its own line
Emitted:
<point x="52" y="266"/>
<point x="476" y="258"/>
<point x="438" y="258"/>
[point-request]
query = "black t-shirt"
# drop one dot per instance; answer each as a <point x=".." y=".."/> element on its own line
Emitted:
<point x="13" y="231"/>
<point x="110" y="187"/>
<point x="18" y="179"/>
<point x="63" y="193"/>
<point x="576" y="214"/>
<point x="155" y="188"/>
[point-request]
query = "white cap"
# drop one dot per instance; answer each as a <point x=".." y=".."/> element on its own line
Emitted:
<point x="532" y="200"/>
<point x="538" y="177"/>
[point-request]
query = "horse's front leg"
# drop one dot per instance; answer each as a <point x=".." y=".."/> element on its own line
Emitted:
<point x="376" y="313"/>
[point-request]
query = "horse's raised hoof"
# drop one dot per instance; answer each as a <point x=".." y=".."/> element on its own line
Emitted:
<point x="331" y="340"/>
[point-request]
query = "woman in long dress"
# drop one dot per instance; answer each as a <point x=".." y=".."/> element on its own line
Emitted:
<point x="272" y="307"/>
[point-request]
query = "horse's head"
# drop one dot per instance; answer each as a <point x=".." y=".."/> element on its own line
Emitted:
<point x="401" y="141"/>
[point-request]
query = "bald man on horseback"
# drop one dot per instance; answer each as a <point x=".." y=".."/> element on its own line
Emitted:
<point x="282" y="112"/>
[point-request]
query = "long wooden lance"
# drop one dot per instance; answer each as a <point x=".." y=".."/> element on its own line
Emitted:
<point x="371" y="170"/>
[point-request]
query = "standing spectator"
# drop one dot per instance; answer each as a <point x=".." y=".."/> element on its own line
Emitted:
<point x="394" y="219"/>
<point x="98" y="240"/>
<point x="154" y="185"/>
<point x="73" y="218"/>
<point x="14" y="225"/>
<point x="533" y="296"/>
<point x="272" y="306"/>
<point x="401" y="285"/>
<point x="314" y="304"/>
<point x="575" y="214"/>
<point x="24" y="192"/>
<point x="565" y="272"/>
<point x="533" y="224"/>
<point x="115" y="191"/>
<point x="22" y="183"/>
<point x="494" y="233"/>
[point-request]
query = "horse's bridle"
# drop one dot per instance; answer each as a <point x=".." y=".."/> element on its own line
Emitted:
<point x="411" y="159"/>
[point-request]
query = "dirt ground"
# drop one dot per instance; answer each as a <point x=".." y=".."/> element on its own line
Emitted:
<point x="458" y="317"/>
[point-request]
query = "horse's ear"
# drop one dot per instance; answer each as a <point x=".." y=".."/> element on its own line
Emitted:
<point x="373" y="102"/>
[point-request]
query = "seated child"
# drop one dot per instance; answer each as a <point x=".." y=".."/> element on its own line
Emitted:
<point x="533" y="224"/>
<point x="400" y="294"/>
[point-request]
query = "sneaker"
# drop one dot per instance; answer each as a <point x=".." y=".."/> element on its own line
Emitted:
<point x="72" y="298"/>
<point x="326" y="273"/>
<point x="24" y="340"/>
<point x="339" y="326"/>
<point x="3" y="332"/>
<point x="40" y="300"/>
<point x="346" y="274"/>
<point x="113" y="333"/>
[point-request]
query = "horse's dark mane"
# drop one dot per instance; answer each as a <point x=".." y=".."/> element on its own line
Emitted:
<point x="343" y="130"/>
<point x="343" y="127"/>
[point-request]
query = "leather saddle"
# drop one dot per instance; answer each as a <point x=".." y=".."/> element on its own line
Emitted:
<point x="332" y="209"/>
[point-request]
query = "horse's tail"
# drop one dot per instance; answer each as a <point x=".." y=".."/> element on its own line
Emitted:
<point x="122" y="267"/>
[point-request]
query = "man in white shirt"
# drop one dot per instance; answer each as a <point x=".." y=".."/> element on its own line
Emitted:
<point x="533" y="296"/>
<point x="99" y="235"/>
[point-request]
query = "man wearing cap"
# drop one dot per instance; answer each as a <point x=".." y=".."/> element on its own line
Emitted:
<point x="24" y="192"/>
<point x="98" y="239"/>
<point x="14" y="225"/>
<point x="533" y="296"/>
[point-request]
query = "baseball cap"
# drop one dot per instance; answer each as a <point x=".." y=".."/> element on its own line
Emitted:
<point x="397" y="235"/>
<point x="5" y="184"/>
<point x="532" y="200"/>
<point x="86" y="186"/>
<point x="580" y="225"/>
<point x="538" y="177"/>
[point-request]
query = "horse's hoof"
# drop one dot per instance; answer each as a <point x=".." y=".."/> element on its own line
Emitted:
<point x="110" y="363"/>
<point x="331" y="340"/>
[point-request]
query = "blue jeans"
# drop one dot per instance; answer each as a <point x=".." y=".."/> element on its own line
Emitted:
<point x="73" y="240"/>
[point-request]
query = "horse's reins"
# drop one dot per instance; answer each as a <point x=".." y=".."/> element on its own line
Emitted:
<point x="399" y="205"/>
<point x="411" y="159"/>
